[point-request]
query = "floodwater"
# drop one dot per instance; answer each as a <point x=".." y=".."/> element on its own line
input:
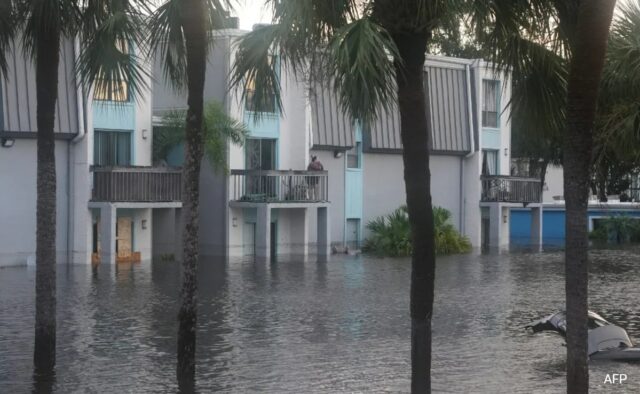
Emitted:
<point x="294" y="327"/>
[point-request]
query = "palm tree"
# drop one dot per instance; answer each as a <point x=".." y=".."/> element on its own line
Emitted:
<point x="219" y="128"/>
<point x="373" y="53"/>
<point x="42" y="25"/>
<point x="564" y="44"/>
<point x="179" y="33"/>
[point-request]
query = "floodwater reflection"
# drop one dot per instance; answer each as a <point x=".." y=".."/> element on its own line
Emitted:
<point x="295" y="326"/>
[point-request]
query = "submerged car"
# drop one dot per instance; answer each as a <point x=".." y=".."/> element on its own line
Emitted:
<point x="606" y="340"/>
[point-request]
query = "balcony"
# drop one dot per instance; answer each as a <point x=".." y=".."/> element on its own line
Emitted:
<point x="499" y="188"/>
<point x="136" y="184"/>
<point x="273" y="186"/>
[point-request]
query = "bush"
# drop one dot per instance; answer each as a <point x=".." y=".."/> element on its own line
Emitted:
<point x="391" y="234"/>
<point x="617" y="229"/>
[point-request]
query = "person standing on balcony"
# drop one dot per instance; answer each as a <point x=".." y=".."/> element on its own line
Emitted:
<point x="312" y="181"/>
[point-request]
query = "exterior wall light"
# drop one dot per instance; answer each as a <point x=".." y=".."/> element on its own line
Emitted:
<point x="144" y="134"/>
<point x="7" y="142"/>
<point x="337" y="154"/>
<point x="234" y="222"/>
<point x="144" y="224"/>
<point x="506" y="151"/>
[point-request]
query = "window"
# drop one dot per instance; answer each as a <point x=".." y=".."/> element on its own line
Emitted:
<point x="112" y="148"/>
<point x="119" y="92"/>
<point x="489" y="162"/>
<point x="490" y="103"/>
<point x="354" y="156"/>
<point x="260" y="154"/>
<point x="269" y="102"/>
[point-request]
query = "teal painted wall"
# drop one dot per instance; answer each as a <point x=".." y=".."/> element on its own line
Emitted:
<point x="354" y="185"/>
<point x="267" y="127"/>
<point x="490" y="138"/>
<point x="114" y="116"/>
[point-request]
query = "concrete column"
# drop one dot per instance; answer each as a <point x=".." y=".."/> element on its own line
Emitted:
<point x="498" y="225"/>
<point x="263" y="232"/>
<point x="108" y="223"/>
<point x="324" y="235"/>
<point x="536" y="225"/>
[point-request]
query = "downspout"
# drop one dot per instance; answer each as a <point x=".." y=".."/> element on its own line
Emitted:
<point x="70" y="170"/>
<point x="472" y="150"/>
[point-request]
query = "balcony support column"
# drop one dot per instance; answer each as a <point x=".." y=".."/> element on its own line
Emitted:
<point x="498" y="225"/>
<point x="108" y="223"/>
<point x="324" y="235"/>
<point x="263" y="233"/>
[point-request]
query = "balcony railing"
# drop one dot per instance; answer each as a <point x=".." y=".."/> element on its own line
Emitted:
<point x="136" y="184"/>
<point x="279" y="186"/>
<point x="499" y="188"/>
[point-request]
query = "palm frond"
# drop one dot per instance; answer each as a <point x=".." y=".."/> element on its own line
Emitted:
<point x="256" y="68"/>
<point x="52" y="18"/>
<point x="166" y="38"/>
<point x="298" y="39"/>
<point x="219" y="129"/>
<point x="8" y="28"/>
<point x="107" y="61"/>
<point x="362" y="56"/>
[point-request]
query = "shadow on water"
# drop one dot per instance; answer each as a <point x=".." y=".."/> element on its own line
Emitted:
<point x="43" y="380"/>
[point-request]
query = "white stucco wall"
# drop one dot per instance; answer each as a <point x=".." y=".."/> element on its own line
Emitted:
<point x="336" y="170"/>
<point x="553" y="182"/>
<point x="142" y="135"/>
<point x="384" y="189"/>
<point x="143" y="236"/>
<point x="18" y="197"/>
<point x="294" y="142"/>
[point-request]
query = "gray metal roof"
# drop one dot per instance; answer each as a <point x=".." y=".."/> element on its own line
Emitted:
<point x="18" y="92"/>
<point x="332" y="128"/>
<point x="448" y="110"/>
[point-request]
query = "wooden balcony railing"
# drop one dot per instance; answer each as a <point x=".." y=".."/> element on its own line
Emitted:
<point x="499" y="188"/>
<point x="279" y="186"/>
<point x="136" y="184"/>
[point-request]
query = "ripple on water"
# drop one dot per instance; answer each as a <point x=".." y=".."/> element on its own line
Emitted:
<point x="292" y="326"/>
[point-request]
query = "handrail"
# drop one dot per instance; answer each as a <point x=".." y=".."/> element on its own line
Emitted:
<point x="282" y="186"/>
<point x="95" y="168"/>
<point x="136" y="184"/>
<point x="504" y="188"/>
<point x="277" y="172"/>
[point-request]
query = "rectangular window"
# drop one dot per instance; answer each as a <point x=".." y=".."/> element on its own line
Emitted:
<point x="260" y="154"/>
<point x="269" y="102"/>
<point x="490" y="103"/>
<point x="489" y="162"/>
<point x="112" y="148"/>
<point x="354" y="156"/>
<point x="119" y="91"/>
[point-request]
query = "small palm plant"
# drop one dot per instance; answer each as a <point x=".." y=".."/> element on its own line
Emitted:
<point x="391" y="234"/>
<point x="218" y="128"/>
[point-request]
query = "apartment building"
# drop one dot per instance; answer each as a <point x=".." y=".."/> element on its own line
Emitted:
<point x="107" y="190"/>
<point x="269" y="204"/>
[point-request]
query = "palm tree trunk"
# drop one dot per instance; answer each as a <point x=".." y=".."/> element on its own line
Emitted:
<point x="48" y="57"/>
<point x="415" y="140"/>
<point x="588" y="51"/>
<point x="196" y="44"/>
